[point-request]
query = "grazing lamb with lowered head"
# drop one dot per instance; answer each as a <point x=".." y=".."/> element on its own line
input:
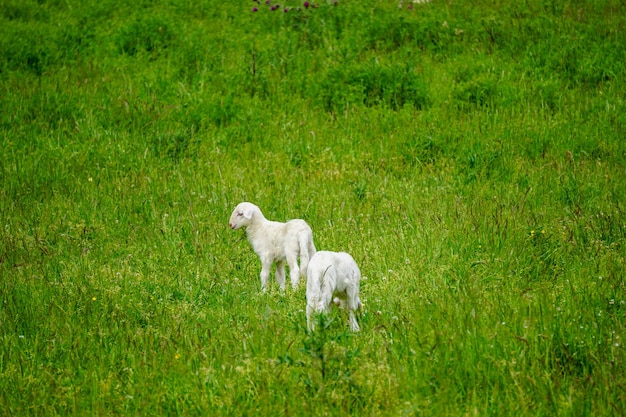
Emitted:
<point x="275" y="242"/>
<point x="332" y="277"/>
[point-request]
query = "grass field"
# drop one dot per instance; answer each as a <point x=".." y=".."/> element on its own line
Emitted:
<point x="470" y="155"/>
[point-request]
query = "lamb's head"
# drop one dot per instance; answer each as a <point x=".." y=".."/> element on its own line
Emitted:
<point x="243" y="215"/>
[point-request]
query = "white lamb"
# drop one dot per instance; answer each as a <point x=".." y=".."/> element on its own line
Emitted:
<point x="276" y="242"/>
<point x="332" y="275"/>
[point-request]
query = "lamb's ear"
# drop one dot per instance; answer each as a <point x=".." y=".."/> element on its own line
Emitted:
<point x="248" y="212"/>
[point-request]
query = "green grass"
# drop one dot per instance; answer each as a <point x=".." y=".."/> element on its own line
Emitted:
<point x="469" y="155"/>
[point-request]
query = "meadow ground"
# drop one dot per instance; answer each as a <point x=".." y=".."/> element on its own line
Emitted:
<point x="470" y="155"/>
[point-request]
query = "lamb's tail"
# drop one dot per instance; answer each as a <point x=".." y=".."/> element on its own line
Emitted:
<point x="327" y="283"/>
<point x="307" y="250"/>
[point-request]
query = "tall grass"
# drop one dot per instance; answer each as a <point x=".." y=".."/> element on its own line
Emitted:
<point x="469" y="155"/>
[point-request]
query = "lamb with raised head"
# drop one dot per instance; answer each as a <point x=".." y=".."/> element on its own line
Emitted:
<point x="276" y="242"/>
<point x="332" y="277"/>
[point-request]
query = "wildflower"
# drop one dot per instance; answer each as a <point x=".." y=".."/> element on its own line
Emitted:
<point x="285" y="10"/>
<point x="177" y="356"/>
<point x="306" y="4"/>
<point x="93" y="299"/>
<point x="274" y="7"/>
<point x="254" y="9"/>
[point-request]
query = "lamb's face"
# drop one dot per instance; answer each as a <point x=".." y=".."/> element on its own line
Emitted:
<point x="242" y="215"/>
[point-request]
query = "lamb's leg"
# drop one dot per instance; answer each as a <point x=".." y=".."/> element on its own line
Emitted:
<point x="309" y="317"/>
<point x="340" y="303"/>
<point x="294" y="271"/>
<point x="354" y="325"/>
<point x="352" y="303"/>
<point x="280" y="274"/>
<point x="265" y="274"/>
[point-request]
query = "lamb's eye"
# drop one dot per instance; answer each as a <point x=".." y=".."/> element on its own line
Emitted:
<point x="240" y="214"/>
